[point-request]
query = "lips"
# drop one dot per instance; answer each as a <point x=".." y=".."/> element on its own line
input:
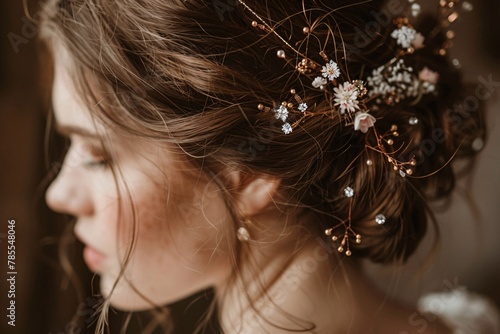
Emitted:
<point x="93" y="258"/>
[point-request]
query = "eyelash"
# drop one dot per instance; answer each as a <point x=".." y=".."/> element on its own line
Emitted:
<point x="100" y="162"/>
<point x="97" y="164"/>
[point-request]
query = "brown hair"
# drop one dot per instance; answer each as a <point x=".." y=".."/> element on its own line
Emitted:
<point x="193" y="73"/>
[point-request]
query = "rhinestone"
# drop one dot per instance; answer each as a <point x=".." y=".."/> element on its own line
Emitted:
<point x="402" y="173"/>
<point x="477" y="144"/>
<point x="413" y="121"/>
<point x="380" y="219"/>
<point x="456" y="63"/>
<point x="348" y="192"/>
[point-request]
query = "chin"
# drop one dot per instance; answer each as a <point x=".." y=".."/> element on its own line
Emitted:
<point x="124" y="297"/>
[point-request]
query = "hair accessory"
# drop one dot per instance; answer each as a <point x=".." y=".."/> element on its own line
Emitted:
<point x="346" y="224"/>
<point x="355" y="101"/>
<point x="380" y="219"/>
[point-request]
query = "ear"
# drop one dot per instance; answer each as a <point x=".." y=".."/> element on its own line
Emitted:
<point x="254" y="194"/>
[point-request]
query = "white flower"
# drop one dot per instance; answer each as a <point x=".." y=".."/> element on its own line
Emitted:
<point x="346" y="97"/>
<point x="286" y="128"/>
<point x="302" y="107"/>
<point x="281" y="113"/>
<point x="319" y="82"/>
<point x="331" y="70"/>
<point x="363" y="121"/>
<point x="404" y="36"/>
<point x="428" y="76"/>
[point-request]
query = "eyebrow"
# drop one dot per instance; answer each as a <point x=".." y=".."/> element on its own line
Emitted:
<point x="67" y="130"/>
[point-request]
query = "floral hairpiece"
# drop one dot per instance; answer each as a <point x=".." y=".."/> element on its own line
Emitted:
<point x="353" y="100"/>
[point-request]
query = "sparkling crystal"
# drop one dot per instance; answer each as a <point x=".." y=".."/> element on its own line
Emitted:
<point x="413" y="121"/>
<point x="467" y="6"/>
<point x="477" y="144"/>
<point x="348" y="192"/>
<point x="402" y="173"/>
<point x="380" y="219"/>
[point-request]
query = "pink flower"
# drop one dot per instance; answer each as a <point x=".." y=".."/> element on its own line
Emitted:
<point x="428" y="76"/>
<point x="363" y="121"/>
<point x="418" y="41"/>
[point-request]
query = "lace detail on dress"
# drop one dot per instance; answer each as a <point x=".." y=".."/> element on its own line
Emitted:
<point x="463" y="311"/>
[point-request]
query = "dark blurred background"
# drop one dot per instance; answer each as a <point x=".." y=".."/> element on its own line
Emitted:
<point x="46" y="301"/>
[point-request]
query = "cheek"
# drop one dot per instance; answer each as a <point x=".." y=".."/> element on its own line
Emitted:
<point x="187" y="224"/>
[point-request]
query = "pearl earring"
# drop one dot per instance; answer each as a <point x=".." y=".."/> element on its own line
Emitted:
<point x="242" y="234"/>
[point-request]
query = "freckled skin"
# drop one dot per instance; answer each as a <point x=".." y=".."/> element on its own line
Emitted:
<point x="178" y="230"/>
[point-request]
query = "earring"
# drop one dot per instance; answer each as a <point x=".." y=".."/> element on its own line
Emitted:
<point x="242" y="233"/>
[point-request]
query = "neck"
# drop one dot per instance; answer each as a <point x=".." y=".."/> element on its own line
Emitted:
<point x="289" y="287"/>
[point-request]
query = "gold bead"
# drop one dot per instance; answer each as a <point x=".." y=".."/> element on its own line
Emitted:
<point x="340" y="249"/>
<point x="348" y="253"/>
<point x="328" y="231"/>
<point x="281" y="54"/>
<point x="292" y="91"/>
<point x="254" y="24"/>
<point x="260" y="107"/>
<point x="390" y="142"/>
<point x="394" y="127"/>
<point x="334" y="238"/>
<point x="358" y="236"/>
<point x="305" y="30"/>
<point x="413" y="162"/>
<point x="409" y="171"/>
<point x="290" y="105"/>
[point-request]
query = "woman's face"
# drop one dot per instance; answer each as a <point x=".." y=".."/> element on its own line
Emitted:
<point x="178" y="235"/>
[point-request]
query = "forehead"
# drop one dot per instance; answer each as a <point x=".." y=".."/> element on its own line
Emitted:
<point x="69" y="108"/>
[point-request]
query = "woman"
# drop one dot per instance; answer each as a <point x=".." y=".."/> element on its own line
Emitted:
<point x="256" y="148"/>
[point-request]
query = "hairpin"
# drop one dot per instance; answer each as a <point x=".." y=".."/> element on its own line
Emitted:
<point x="354" y="100"/>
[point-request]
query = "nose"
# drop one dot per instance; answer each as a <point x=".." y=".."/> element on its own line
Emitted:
<point x="69" y="193"/>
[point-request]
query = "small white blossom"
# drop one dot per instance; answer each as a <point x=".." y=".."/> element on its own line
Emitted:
<point x="363" y="121"/>
<point x="286" y="128"/>
<point x="281" y="113"/>
<point x="331" y="70"/>
<point x="346" y="97"/>
<point x="404" y="36"/>
<point x="319" y="82"/>
<point x="302" y="107"/>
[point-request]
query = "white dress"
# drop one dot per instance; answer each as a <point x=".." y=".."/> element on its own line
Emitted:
<point x="463" y="311"/>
